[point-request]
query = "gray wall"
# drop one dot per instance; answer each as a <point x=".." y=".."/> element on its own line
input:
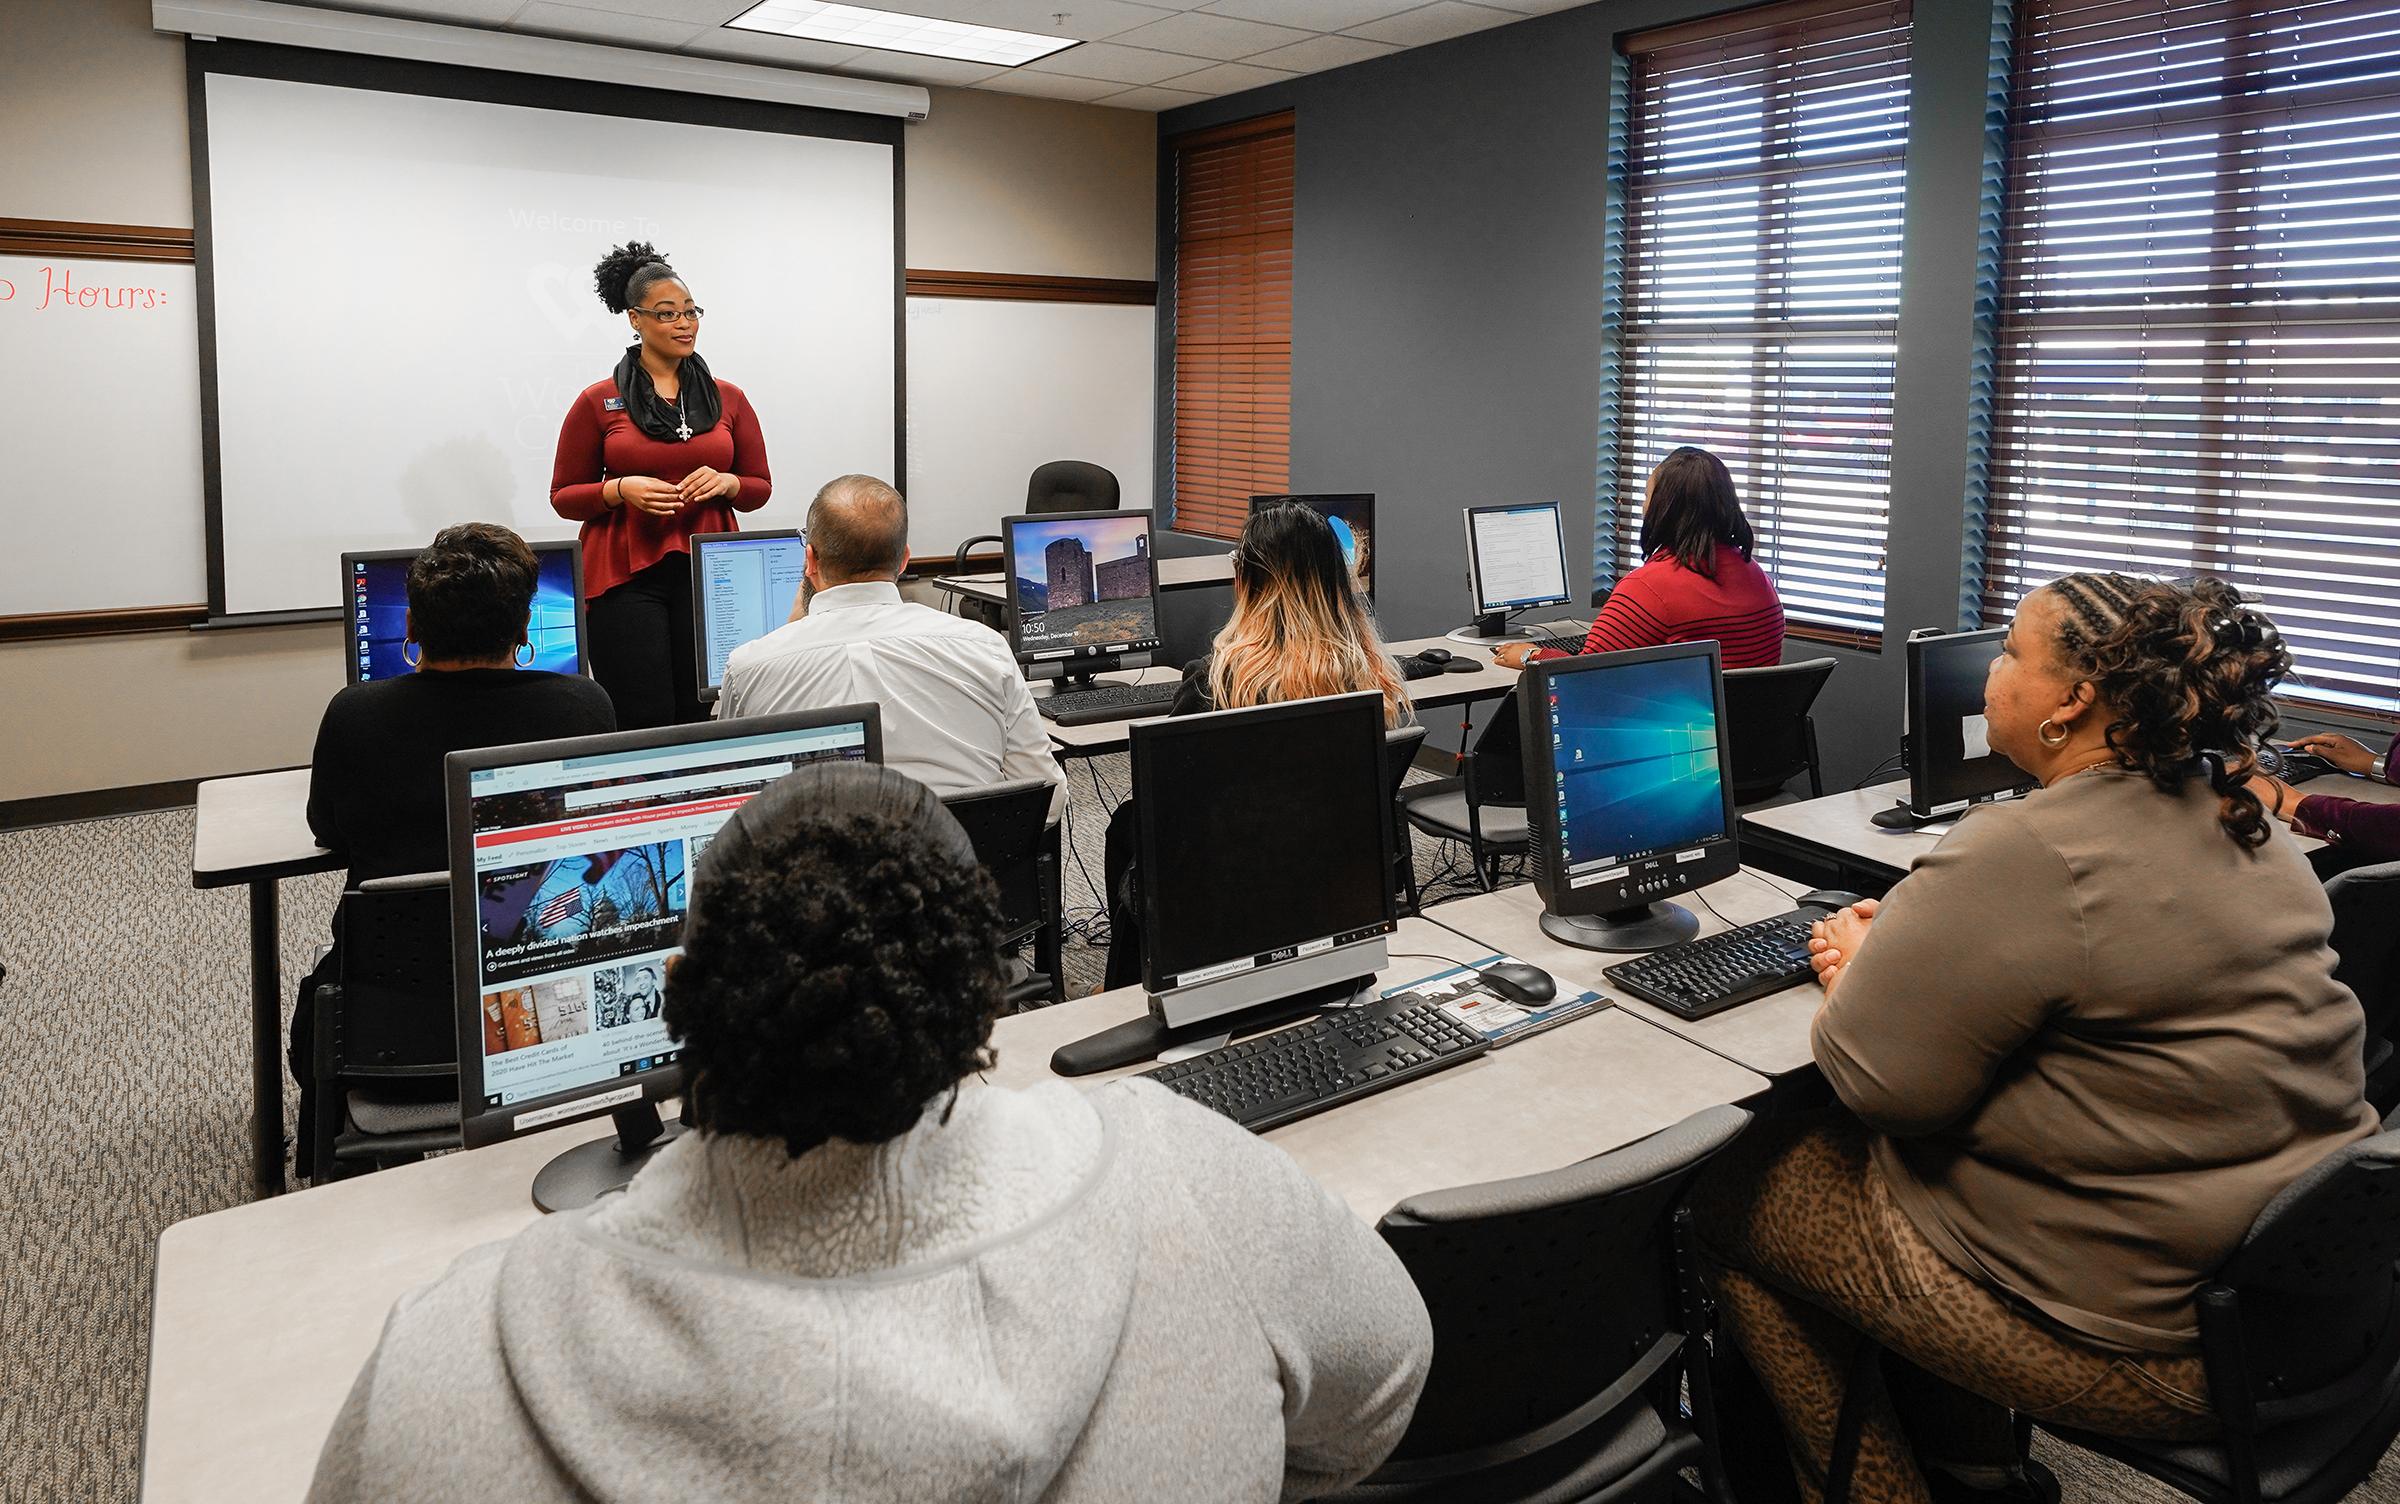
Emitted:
<point x="1446" y="310"/>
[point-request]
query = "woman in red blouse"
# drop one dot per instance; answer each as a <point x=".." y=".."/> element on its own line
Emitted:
<point x="659" y="451"/>
<point x="1698" y="584"/>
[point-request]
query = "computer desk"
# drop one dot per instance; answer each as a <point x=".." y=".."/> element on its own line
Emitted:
<point x="1768" y="1035"/>
<point x="1488" y="682"/>
<point x="1177" y="573"/>
<point x="264" y="1312"/>
<point x="254" y="830"/>
<point x="1839" y="830"/>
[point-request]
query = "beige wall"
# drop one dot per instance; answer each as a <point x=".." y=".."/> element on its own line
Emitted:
<point x="95" y="105"/>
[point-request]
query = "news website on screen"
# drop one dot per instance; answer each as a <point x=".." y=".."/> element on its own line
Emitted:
<point x="582" y="874"/>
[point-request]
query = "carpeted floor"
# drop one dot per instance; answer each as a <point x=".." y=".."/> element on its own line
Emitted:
<point x="124" y="1096"/>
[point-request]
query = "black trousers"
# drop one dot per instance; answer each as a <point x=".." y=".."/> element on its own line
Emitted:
<point x="641" y="646"/>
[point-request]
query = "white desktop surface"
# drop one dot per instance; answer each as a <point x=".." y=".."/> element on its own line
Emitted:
<point x="264" y="1312"/>
<point x="1768" y="1035"/>
<point x="252" y="825"/>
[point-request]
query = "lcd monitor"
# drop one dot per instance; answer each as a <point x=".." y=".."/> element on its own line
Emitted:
<point x="1353" y="517"/>
<point x="570" y="870"/>
<point x="1085" y="590"/>
<point x="743" y="587"/>
<point x="1516" y="560"/>
<point x="1945" y="741"/>
<point x="375" y="606"/>
<point x="1628" y="792"/>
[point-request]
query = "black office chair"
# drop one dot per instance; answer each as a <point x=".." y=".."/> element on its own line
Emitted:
<point x="2366" y="943"/>
<point x="1399" y="755"/>
<point x="1769" y="735"/>
<point x="1018" y="844"/>
<point x="1071" y="486"/>
<point x="990" y="613"/>
<point x="1485" y="806"/>
<point x="1567" y="1317"/>
<point x="385" y="1072"/>
<point x="2300" y="1337"/>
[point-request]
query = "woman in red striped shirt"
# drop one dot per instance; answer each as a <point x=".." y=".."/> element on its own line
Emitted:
<point x="1699" y="584"/>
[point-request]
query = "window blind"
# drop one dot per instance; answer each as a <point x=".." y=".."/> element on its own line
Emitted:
<point x="1760" y="291"/>
<point x="2198" y="365"/>
<point x="1233" y="321"/>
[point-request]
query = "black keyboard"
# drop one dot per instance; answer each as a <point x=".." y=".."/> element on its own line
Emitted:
<point x="1106" y="702"/>
<point x="1338" y="1057"/>
<point x="1717" y="972"/>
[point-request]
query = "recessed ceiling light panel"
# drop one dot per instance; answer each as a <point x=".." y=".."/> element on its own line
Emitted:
<point x="927" y="36"/>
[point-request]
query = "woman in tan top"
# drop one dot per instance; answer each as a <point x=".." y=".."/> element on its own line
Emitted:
<point x="2080" y="1047"/>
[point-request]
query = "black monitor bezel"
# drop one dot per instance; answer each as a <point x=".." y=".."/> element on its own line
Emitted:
<point x="1655" y="877"/>
<point x="480" y="1125"/>
<point x="1309" y="499"/>
<point x="1918" y="748"/>
<point x="1566" y="583"/>
<point x="1144" y="740"/>
<point x="574" y="547"/>
<point x="1008" y="589"/>
<point x="700" y="677"/>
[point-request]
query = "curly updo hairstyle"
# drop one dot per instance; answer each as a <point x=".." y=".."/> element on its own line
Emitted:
<point x="470" y="594"/>
<point x="842" y="961"/>
<point x="2188" y="671"/>
<point x="626" y="274"/>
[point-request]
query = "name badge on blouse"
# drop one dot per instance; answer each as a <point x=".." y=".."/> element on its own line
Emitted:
<point x="612" y="404"/>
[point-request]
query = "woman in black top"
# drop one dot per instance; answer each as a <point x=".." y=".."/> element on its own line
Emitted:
<point x="375" y="783"/>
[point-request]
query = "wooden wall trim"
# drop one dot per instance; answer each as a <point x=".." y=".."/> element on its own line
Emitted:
<point x="53" y="624"/>
<point x="1016" y="288"/>
<point x="68" y="237"/>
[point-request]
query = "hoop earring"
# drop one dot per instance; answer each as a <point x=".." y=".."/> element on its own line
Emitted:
<point x="405" y="644"/>
<point x="525" y="648"/>
<point x="2042" y="733"/>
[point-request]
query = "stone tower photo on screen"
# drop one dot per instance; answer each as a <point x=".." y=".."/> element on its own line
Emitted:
<point x="1083" y="583"/>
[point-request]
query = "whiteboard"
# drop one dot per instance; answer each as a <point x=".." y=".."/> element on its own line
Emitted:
<point x="996" y="388"/>
<point x="404" y="308"/>
<point x="104" y="431"/>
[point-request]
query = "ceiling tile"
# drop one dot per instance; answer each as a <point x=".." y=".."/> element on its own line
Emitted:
<point x="1087" y="19"/>
<point x="1203" y="35"/>
<point x="601" y="25"/>
<point x="1152" y="98"/>
<point x="1434" y="23"/>
<point x="1537" y="7"/>
<point x="698" y="12"/>
<point x="1229" y="78"/>
<point x="1319" y="53"/>
<point x="761" y="47"/>
<point x="471" y="12"/>
<point x="1050" y="85"/>
<point x="910" y="68"/>
<point x="1121" y="65"/>
<point x="1315" y="15"/>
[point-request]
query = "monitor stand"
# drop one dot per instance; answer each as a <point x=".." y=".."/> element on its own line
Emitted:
<point x="1652" y="926"/>
<point x="587" y="1172"/>
<point x="1490" y="630"/>
<point x="1903" y="816"/>
<point x="1146" y="1038"/>
<point x="1079" y="675"/>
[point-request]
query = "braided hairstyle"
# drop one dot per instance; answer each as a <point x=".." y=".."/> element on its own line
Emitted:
<point x="2189" y="672"/>
<point x="627" y="273"/>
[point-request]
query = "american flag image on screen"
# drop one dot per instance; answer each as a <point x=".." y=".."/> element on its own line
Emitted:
<point x="565" y="906"/>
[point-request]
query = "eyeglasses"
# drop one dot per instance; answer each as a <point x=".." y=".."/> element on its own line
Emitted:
<point x="673" y="315"/>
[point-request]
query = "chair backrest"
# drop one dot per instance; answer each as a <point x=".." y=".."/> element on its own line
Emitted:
<point x="398" y="1015"/>
<point x="1548" y="1289"/>
<point x="1400" y="746"/>
<point x="1005" y="822"/>
<point x="1496" y="763"/>
<point x="1071" y="486"/>
<point x="989" y="613"/>
<point x="2366" y="940"/>
<point x="2314" y="1283"/>
<point x="1767" y="731"/>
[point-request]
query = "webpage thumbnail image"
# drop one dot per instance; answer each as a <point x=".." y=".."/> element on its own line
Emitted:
<point x="1083" y="583"/>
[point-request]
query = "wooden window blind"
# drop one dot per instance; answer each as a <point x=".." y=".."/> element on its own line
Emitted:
<point x="1760" y="292"/>
<point x="2199" y="329"/>
<point x="1233" y="321"/>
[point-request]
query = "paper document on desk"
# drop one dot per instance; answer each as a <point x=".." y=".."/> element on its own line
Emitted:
<point x="1465" y="997"/>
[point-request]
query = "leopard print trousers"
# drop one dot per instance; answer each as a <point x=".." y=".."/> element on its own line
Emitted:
<point x="1811" y="1257"/>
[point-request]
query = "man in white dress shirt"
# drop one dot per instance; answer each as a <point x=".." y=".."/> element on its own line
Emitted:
<point x="956" y="712"/>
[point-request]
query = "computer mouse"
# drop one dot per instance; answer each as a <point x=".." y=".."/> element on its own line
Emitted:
<point x="1433" y="655"/>
<point x="1519" y="983"/>
<point x="1827" y="898"/>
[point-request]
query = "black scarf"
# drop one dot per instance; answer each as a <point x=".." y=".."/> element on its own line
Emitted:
<point x="659" y="419"/>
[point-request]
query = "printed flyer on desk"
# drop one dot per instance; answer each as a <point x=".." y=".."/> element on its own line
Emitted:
<point x="1464" y="997"/>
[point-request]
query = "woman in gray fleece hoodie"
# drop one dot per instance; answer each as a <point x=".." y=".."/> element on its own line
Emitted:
<point x="858" y="1281"/>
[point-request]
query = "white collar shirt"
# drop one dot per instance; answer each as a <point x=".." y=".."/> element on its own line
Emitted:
<point x="956" y="711"/>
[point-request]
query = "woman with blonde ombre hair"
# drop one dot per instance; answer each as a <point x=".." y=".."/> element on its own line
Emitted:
<point x="1299" y="629"/>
